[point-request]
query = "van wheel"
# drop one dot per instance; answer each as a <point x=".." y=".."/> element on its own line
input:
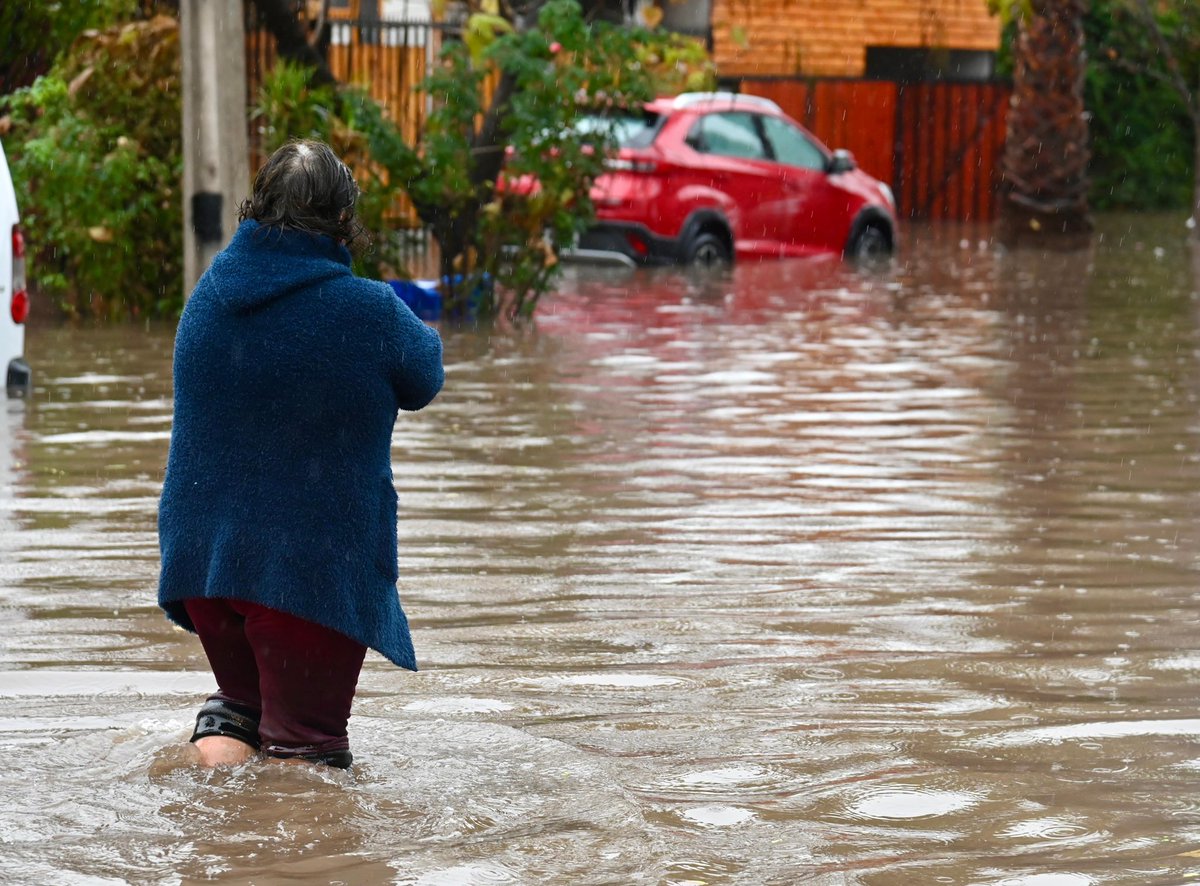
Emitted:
<point x="871" y="244"/>
<point x="706" y="251"/>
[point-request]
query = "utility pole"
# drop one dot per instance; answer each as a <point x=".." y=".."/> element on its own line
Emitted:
<point x="216" y="175"/>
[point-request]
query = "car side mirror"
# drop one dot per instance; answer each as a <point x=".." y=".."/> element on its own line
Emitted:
<point x="841" y="161"/>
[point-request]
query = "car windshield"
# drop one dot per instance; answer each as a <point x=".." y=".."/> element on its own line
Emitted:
<point x="629" y="130"/>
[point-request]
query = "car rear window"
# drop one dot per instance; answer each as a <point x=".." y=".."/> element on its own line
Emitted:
<point x="630" y="130"/>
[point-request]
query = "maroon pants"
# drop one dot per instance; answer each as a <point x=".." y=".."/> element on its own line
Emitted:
<point x="299" y="675"/>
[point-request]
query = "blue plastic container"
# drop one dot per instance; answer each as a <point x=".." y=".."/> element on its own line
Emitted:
<point x="420" y="295"/>
<point x="425" y="296"/>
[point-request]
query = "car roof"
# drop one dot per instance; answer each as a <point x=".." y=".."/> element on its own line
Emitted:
<point x="709" y="101"/>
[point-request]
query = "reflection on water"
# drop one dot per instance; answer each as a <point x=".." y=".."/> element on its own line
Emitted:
<point x="792" y="575"/>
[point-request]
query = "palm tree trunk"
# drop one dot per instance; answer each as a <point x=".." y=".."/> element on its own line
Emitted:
<point x="1045" y="183"/>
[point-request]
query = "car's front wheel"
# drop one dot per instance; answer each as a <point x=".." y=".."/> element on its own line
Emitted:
<point x="707" y="250"/>
<point x="871" y="244"/>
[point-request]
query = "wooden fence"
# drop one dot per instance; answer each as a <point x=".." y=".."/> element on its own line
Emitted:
<point x="387" y="60"/>
<point x="937" y="144"/>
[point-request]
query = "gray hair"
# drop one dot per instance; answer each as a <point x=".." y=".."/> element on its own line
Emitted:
<point x="304" y="186"/>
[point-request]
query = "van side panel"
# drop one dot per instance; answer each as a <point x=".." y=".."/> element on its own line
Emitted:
<point x="12" y="335"/>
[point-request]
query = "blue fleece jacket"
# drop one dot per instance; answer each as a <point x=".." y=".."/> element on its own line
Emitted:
<point x="289" y="372"/>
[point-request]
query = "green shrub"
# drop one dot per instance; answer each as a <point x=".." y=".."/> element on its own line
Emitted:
<point x="1141" y="132"/>
<point x="675" y="62"/>
<point x="1141" y="143"/>
<point x="560" y="69"/>
<point x="35" y="34"/>
<point x="96" y="153"/>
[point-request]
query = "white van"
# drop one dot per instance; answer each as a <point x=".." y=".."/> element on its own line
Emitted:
<point x="14" y="299"/>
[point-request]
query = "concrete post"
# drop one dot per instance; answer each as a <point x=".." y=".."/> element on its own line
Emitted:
<point x="216" y="175"/>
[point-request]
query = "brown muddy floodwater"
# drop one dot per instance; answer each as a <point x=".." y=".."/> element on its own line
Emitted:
<point x="793" y="575"/>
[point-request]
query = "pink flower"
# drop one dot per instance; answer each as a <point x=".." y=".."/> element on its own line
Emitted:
<point x="555" y="48"/>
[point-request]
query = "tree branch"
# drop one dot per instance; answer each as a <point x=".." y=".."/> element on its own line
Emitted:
<point x="1174" y="72"/>
<point x="291" y="40"/>
<point x="489" y="141"/>
<point x="319" y="29"/>
<point x="1139" y="69"/>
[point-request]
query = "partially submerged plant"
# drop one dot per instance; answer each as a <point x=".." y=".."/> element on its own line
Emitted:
<point x="548" y="76"/>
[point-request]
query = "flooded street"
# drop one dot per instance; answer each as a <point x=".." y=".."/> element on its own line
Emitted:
<point x="793" y="575"/>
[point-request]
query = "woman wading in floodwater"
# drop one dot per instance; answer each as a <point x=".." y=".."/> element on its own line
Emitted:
<point x="277" y="523"/>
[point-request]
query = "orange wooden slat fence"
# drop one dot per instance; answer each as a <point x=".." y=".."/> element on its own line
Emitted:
<point x="388" y="60"/>
<point x="952" y="138"/>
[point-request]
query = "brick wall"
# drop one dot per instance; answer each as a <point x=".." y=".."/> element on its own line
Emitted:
<point x="828" y="38"/>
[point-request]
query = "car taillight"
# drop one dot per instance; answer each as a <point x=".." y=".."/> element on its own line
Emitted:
<point x="20" y="298"/>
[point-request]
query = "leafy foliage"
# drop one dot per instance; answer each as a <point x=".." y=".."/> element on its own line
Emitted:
<point x="498" y="240"/>
<point x="96" y="151"/>
<point x="676" y="63"/>
<point x="562" y="67"/>
<point x="1142" y="152"/>
<point x="37" y="33"/>
<point x="1010" y="10"/>
<point x="558" y="70"/>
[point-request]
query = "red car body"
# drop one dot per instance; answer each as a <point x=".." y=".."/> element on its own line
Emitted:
<point x="705" y="177"/>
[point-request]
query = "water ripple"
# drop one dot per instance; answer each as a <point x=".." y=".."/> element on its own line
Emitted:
<point x="785" y="574"/>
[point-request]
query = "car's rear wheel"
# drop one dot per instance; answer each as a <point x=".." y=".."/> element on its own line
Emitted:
<point x="871" y="244"/>
<point x="707" y="250"/>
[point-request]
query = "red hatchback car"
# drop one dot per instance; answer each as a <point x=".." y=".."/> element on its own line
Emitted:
<point x="703" y="177"/>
